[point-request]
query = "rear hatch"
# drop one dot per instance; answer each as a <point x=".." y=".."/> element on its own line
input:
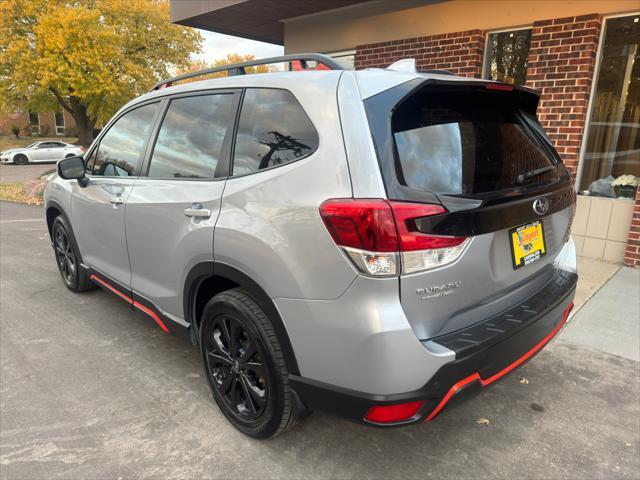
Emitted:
<point x="476" y="149"/>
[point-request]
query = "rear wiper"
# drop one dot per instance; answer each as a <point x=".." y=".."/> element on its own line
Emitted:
<point x="523" y="177"/>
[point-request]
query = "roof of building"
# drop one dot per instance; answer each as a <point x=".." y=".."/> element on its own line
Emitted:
<point x="255" y="19"/>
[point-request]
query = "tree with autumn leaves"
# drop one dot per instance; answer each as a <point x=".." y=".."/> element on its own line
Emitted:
<point x="88" y="57"/>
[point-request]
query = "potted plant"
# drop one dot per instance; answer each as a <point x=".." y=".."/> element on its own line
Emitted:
<point x="625" y="186"/>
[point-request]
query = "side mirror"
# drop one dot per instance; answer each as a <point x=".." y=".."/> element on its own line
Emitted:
<point x="73" y="168"/>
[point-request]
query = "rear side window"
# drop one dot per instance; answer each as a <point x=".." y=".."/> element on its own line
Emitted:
<point x="190" y="140"/>
<point x="466" y="143"/>
<point x="273" y="130"/>
<point x="120" y="151"/>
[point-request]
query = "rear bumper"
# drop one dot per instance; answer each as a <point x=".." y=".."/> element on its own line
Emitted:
<point x="498" y="345"/>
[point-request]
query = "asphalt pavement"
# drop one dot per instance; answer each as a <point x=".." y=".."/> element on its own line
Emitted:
<point x="91" y="389"/>
<point x="10" y="173"/>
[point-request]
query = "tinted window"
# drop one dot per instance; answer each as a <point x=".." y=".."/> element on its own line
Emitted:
<point x="120" y="150"/>
<point x="190" y="140"/>
<point x="466" y="143"/>
<point x="273" y="130"/>
<point x="91" y="160"/>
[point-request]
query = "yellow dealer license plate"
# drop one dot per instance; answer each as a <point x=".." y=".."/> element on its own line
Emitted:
<point x="527" y="244"/>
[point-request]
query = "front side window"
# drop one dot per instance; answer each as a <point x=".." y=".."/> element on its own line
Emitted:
<point x="507" y="56"/>
<point x="121" y="148"/>
<point x="190" y="140"/>
<point x="273" y="130"/>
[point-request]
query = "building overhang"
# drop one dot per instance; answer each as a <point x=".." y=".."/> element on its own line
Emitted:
<point x="260" y="20"/>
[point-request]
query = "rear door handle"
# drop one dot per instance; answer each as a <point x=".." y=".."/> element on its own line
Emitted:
<point x="197" y="212"/>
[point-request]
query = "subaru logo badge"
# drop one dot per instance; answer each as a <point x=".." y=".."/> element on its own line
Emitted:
<point x="541" y="206"/>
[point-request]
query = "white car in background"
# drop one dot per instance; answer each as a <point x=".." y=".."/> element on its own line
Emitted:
<point x="43" y="151"/>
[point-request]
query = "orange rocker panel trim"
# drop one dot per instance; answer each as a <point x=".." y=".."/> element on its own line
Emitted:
<point x="130" y="300"/>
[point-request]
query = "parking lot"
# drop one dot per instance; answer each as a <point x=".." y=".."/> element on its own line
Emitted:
<point x="91" y="389"/>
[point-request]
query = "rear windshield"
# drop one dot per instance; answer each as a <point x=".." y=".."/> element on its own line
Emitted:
<point x="467" y="143"/>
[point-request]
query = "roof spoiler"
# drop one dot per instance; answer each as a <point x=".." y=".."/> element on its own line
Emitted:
<point x="239" y="68"/>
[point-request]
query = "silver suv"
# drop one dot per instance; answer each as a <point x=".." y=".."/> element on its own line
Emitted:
<point x="368" y="243"/>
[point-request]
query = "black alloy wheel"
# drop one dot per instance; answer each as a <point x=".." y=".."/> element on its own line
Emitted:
<point x="68" y="257"/>
<point x="244" y="365"/>
<point x="65" y="256"/>
<point x="234" y="360"/>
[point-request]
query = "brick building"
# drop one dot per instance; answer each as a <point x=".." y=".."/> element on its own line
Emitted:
<point x="45" y="124"/>
<point x="583" y="58"/>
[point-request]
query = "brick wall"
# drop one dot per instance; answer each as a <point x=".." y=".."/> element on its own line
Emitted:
<point x="632" y="252"/>
<point x="8" y="119"/>
<point x="561" y="65"/>
<point x="459" y="52"/>
<point x="47" y="124"/>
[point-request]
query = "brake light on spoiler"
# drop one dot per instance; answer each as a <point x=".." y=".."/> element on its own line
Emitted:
<point x="381" y="239"/>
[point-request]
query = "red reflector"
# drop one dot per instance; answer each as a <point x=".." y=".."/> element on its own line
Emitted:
<point x="499" y="86"/>
<point x="363" y="224"/>
<point x="411" y="240"/>
<point x="393" y="413"/>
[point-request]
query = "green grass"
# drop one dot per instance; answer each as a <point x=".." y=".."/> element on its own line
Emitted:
<point x="7" y="142"/>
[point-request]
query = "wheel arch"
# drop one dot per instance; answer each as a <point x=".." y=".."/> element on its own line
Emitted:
<point x="53" y="210"/>
<point x="207" y="279"/>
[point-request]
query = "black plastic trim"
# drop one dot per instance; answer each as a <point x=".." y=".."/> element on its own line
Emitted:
<point x="498" y="214"/>
<point x="480" y="335"/>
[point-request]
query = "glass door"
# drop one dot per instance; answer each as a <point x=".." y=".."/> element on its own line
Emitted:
<point x="612" y="145"/>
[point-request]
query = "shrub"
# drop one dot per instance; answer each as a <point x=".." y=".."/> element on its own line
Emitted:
<point x="15" y="129"/>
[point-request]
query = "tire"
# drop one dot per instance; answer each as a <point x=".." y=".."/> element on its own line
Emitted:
<point x="20" y="159"/>
<point x="68" y="257"/>
<point x="248" y="376"/>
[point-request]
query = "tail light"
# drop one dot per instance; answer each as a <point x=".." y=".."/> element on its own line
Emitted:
<point x="381" y="238"/>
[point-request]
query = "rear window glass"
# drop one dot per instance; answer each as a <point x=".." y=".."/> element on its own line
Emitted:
<point x="466" y="143"/>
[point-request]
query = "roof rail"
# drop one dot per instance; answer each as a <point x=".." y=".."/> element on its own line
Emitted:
<point x="239" y="68"/>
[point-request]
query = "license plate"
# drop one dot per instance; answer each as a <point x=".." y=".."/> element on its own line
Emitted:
<point x="527" y="244"/>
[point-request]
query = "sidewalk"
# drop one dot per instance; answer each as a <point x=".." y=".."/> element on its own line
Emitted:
<point x="610" y="320"/>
